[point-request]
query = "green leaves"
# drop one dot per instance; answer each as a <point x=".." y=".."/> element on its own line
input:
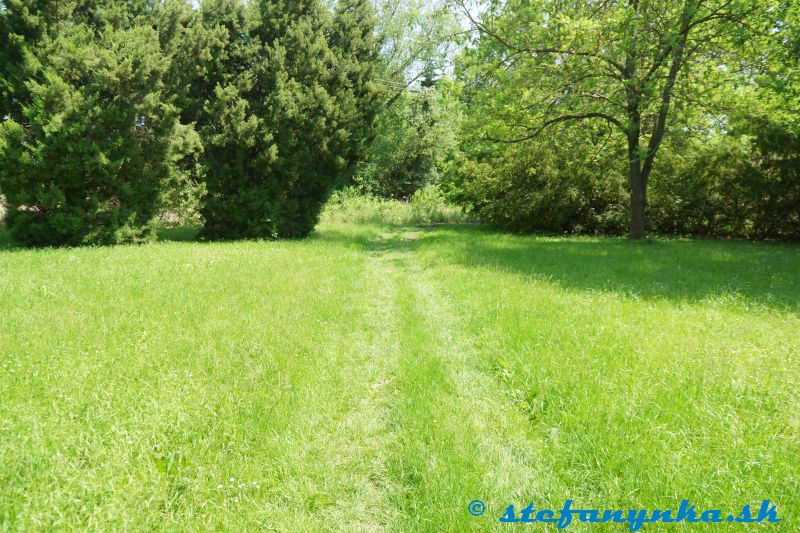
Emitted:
<point x="543" y="71"/>
<point x="414" y="137"/>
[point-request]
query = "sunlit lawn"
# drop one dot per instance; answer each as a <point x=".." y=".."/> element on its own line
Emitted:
<point x="377" y="377"/>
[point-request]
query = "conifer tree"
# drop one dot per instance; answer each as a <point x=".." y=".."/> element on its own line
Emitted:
<point x="357" y="48"/>
<point x="286" y="110"/>
<point x="301" y="111"/>
<point x="86" y="146"/>
<point x="224" y="103"/>
<point x="23" y="23"/>
<point x="280" y="93"/>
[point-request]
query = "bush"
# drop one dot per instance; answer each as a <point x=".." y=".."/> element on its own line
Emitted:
<point x="727" y="186"/>
<point x="538" y="188"/>
<point x="414" y="137"/>
<point x="730" y="186"/>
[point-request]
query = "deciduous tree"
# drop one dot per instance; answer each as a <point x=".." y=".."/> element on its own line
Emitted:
<point x="541" y="64"/>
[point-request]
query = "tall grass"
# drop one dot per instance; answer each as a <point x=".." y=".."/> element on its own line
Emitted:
<point x="378" y="378"/>
<point x="427" y="206"/>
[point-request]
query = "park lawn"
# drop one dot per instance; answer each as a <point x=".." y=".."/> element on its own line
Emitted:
<point x="381" y="377"/>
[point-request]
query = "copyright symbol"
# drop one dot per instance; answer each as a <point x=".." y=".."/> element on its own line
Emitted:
<point x="476" y="508"/>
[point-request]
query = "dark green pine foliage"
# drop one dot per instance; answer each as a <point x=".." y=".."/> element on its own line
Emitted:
<point x="301" y="112"/>
<point x="357" y="49"/>
<point x="229" y="111"/>
<point x="22" y="25"/>
<point x="288" y="106"/>
<point x="84" y="153"/>
<point x="193" y="50"/>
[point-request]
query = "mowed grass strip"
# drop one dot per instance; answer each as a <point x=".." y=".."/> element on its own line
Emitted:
<point x="379" y="378"/>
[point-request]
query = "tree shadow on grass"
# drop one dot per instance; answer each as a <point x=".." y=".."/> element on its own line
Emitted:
<point x="6" y="243"/>
<point x="178" y="234"/>
<point x="766" y="274"/>
<point x="173" y="234"/>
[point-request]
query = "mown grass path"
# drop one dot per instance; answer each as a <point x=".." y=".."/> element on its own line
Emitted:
<point x="458" y="433"/>
<point x="379" y="378"/>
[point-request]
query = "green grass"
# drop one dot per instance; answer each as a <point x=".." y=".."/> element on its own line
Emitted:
<point x="380" y="377"/>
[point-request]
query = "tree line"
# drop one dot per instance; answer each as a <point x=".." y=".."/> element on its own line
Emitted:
<point x="105" y="104"/>
<point x="674" y="116"/>
<point x="678" y="117"/>
<point x="619" y="117"/>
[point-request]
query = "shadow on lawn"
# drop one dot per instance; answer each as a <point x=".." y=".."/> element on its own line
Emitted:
<point x="6" y="243"/>
<point x="675" y="269"/>
<point x="171" y="234"/>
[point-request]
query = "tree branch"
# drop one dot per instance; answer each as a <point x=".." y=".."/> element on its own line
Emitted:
<point x="551" y="50"/>
<point x="563" y="118"/>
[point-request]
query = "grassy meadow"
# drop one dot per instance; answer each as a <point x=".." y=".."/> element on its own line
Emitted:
<point x="380" y="377"/>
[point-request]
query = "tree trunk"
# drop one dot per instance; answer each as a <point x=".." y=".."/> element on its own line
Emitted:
<point x="638" y="186"/>
<point x="639" y="173"/>
<point x="638" y="200"/>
